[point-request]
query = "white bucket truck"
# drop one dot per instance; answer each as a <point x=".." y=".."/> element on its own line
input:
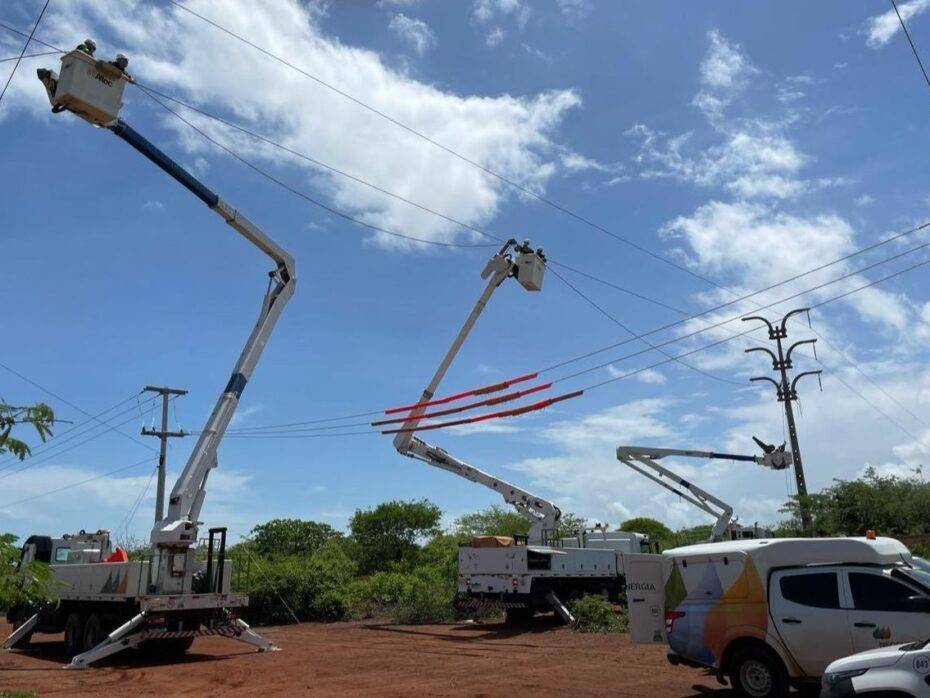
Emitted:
<point x="768" y="614"/>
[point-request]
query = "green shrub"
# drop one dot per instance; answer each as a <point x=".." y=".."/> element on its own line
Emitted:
<point x="429" y="600"/>
<point x="595" y="614"/>
<point x="309" y="587"/>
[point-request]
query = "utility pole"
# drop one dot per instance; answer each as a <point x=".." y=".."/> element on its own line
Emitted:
<point x="163" y="435"/>
<point x="787" y="393"/>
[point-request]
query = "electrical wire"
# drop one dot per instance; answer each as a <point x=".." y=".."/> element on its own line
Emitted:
<point x="613" y="319"/>
<point x="329" y="209"/>
<point x="81" y="428"/>
<point x="676" y="357"/>
<point x="23" y="52"/>
<point x="31" y="463"/>
<point x="72" y="405"/>
<point x="76" y="484"/>
<point x="920" y="63"/>
<point x="31" y="55"/>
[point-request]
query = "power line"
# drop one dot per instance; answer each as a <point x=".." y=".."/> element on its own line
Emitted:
<point x="55" y="439"/>
<point x="23" y="52"/>
<point x="76" y="484"/>
<point x="509" y="182"/>
<point x="304" y="195"/>
<point x="911" y="42"/>
<point x="47" y="457"/>
<point x="645" y="341"/>
<point x="73" y="406"/>
<point x="31" y="55"/>
<point x="668" y="360"/>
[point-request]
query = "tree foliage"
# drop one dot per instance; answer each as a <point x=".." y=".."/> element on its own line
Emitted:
<point x="888" y="504"/>
<point x="292" y="536"/>
<point x="40" y="416"/>
<point x="387" y="534"/>
<point x="493" y="521"/>
<point x="31" y="583"/>
<point x="656" y="530"/>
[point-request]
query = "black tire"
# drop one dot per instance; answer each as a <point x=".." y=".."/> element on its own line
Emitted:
<point x="94" y="631"/>
<point x="756" y="672"/>
<point x="74" y="634"/>
<point x="518" y="616"/>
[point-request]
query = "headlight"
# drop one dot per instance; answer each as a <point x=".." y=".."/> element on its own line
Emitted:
<point x="834" y="677"/>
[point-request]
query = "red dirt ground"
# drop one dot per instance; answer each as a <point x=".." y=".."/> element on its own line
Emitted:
<point x="374" y="658"/>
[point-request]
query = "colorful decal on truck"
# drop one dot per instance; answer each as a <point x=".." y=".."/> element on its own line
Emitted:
<point x="706" y="601"/>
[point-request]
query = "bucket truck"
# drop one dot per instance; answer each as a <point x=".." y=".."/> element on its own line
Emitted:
<point x="644" y="460"/>
<point x="107" y="603"/>
<point x="521" y="574"/>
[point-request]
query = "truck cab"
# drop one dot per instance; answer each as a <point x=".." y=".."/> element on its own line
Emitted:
<point x="771" y="613"/>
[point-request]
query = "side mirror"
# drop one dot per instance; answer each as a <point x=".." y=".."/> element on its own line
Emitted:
<point x="919" y="603"/>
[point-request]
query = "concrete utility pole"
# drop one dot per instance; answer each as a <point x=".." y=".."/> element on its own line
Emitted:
<point x="163" y="434"/>
<point x="787" y="393"/>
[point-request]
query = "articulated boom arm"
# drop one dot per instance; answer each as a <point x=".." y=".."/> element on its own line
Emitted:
<point x="645" y="461"/>
<point x="179" y="527"/>
<point x="543" y="516"/>
<point x="645" y="464"/>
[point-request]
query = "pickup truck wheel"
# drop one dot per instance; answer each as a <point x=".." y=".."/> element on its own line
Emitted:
<point x="758" y="673"/>
<point x="74" y="635"/>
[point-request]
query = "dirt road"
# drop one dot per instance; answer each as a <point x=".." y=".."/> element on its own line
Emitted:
<point x="374" y="658"/>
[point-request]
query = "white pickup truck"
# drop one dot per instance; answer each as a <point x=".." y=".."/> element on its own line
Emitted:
<point x="769" y="614"/>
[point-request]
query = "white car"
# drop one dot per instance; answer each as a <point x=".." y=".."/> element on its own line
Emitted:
<point x="899" y="670"/>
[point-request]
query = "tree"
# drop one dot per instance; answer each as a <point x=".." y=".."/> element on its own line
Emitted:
<point x="493" y="521"/>
<point x="291" y="536"/>
<point x="388" y="534"/>
<point x="30" y="584"/>
<point x="40" y="416"/>
<point x="656" y="530"/>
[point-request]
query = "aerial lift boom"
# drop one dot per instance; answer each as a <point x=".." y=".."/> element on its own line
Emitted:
<point x="92" y="89"/>
<point x="527" y="268"/>
<point x="644" y="459"/>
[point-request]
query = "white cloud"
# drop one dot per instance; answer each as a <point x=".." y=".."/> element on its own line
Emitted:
<point x="415" y="32"/>
<point x="488" y="10"/>
<point x="864" y="200"/>
<point x="494" y="37"/>
<point x="182" y="55"/>
<point x="724" y="67"/>
<point x="649" y="376"/>
<point x="574" y="9"/>
<point x="576" y="162"/>
<point x="153" y="205"/>
<point x="882" y="28"/>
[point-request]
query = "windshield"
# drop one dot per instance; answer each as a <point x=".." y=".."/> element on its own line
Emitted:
<point x="919" y="573"/>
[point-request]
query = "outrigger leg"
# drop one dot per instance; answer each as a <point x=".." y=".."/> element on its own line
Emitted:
<point x="21" y="632"/>
<point x="120" y="639"/>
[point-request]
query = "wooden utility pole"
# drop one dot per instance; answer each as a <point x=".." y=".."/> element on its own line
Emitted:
<point x="163" y="435"/>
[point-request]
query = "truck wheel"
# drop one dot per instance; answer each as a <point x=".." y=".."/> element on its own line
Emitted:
<point x="758" y="673"/>
<point x="74" y="635"/>
<point x="518" y="616"/>
<point x="94" y="632"/>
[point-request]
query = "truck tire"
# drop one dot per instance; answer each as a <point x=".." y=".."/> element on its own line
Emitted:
<point x="518" y="616"/>
<point x="74" y="634"/>
<point x="757" y="672"/>
<point x="94" y="631"/>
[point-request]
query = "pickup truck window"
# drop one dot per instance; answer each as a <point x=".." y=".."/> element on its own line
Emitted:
<point x="819" y="590"/>
<point x="61" y="555"/>
<point x="875" y="592"/>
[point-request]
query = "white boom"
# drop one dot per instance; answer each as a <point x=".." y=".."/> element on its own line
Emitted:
<point x="643" y="459"/>
<point x="92" y="89"/>
<point x="542" y="514"/>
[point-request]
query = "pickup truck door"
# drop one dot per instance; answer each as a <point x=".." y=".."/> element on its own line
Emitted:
<point x="645" y="596"/>
<point x="884" y="610"/>
<point x="807" y="609"/>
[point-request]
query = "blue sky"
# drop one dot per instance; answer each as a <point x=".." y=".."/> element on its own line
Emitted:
<point x="747" y="143"/>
